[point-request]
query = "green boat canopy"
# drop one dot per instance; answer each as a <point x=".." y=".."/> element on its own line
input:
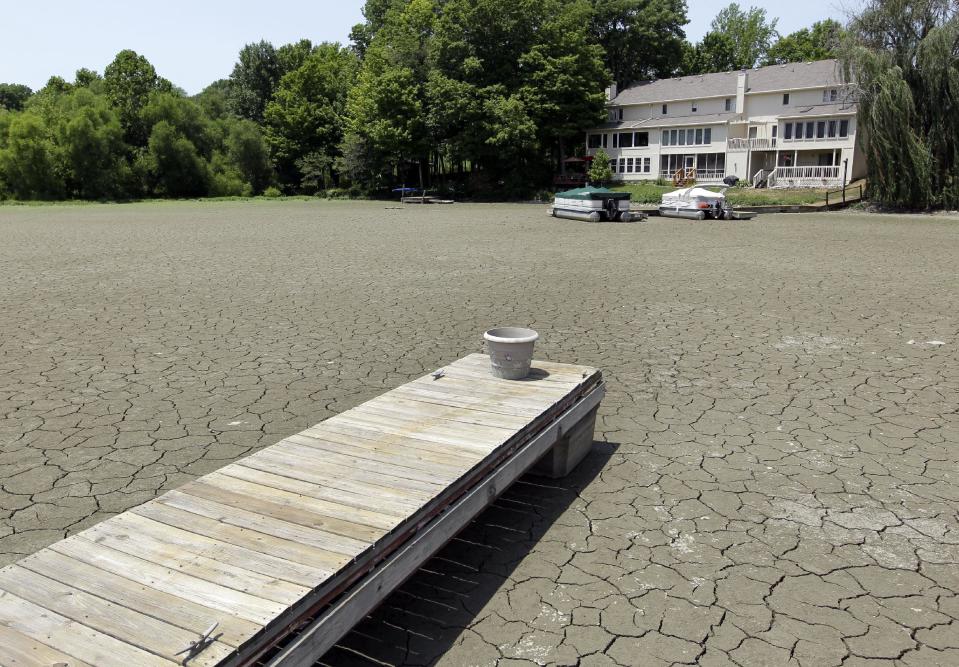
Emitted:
<point x="592" y="194"/>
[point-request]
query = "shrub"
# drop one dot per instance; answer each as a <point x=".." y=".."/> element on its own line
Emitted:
<point x="272" y="192"/>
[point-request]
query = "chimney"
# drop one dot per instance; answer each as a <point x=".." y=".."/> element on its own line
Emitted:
<point x="742" y="85"/>
<point x="611" y="92"/>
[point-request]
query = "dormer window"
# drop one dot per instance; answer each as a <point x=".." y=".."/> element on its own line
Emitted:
<point x="693" y="106"/>
<point x="785" y="99"/>
<point x="665" y="109"/>
<point x="830" y="95"/>
<point x="621" y="113"/>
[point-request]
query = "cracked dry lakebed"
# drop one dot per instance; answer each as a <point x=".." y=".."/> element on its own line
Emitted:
<point x="774" y="479"/>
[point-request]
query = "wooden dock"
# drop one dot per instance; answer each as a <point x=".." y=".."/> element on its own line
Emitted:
<point x="287" y="549"/>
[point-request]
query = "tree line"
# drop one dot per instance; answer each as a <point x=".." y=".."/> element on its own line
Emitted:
<point x="473" y="96"/>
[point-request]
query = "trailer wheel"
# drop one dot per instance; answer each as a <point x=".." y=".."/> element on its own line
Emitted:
<point x="701" y="215"/>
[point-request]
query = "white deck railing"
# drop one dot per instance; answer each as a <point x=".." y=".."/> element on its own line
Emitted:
<point x="805" y="177"/>
<point x="763" y="144"/>
<point x="702" y="175"/>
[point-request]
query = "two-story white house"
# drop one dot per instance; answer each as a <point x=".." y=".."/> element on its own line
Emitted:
<point x="784" y="125"/>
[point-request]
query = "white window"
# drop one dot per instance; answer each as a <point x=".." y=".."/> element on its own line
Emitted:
<point x="830" y="95"/>
<point x="629" y="165"/>
<point x="622" y="165"/>
<point x="708" y="135"/>
<point x="665" y="140"/>
<point x="693" y="106"/>
<point x="785" y="99"/>
<point x="646" y="165"/>
<point x="612" y="166"/>
<point x="621" y="114"/>
<point x="665" y="109"/>
<point x="729" y="104"/>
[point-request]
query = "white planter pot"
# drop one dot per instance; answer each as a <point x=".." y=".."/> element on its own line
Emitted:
<point x="510" y="351"/>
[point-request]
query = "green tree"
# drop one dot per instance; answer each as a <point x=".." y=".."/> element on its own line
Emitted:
<point x="90" y="146"/>
<point x="87" y="78"/>
<point x="173" y="165"/>
<point x="254" y="79"/>
<point x="600" y="172"/>
<point x="641" y="39"/>
<point x="306" y="114"/>
<point x="819" y="43"/>
<point x="751" y="32"/>
<point x="247" y="151"/>
<point x="28" y="163"/>
<point x="387" y="107"/>
<point x="13" y="96"/>
<point x="715" y="53"/>
<point x="901" y="57"/>
<point x="374" y="14"/>
<point x="128" y="82"/>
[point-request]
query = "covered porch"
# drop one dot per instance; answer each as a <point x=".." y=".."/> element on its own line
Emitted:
<point x="708" y="167"/>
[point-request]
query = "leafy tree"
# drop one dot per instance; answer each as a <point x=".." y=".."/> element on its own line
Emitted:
<point x="901" y="57"/>
<point x="387" y="107"/>
<point x="90" y="146"/>
<point x="183" y="115"/>
<point x="247" y="151"/>
<point x="306" y="113"/>
<point x="87" y="78"/>
<point x="253" y="80"/>
<point x="374" y="11"/>
<point x="641" y="39"/>
<point x="173" y="165"/>
<point x="599" y="171"/>
<point x="751" y="32"/>
<point x="13" y="96"/>
<point x="292" y="56"/>
<point x="715" y="53"/>
<point x="214" y="100"/>
<point x="128" y="82"/>
<point x="28" y="163"/>
<point x="819" y="43"/>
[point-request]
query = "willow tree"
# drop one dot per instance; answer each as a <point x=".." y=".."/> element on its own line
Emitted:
<point x="904" y="59"/>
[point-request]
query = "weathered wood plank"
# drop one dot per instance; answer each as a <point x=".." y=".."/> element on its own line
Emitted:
<point x="19" y="650"/>
<point x="135" y="595"/>
<point x="389" y="404"/>
<point x="224" y="552"/>
<point x="333" y="479"/>
<point x="447" y="398"/>
<point x="397" y="464"/>
<point x="373" y="522"/>
<point x="384" y="479"/>
<point x="242" y="496"/>
<point x="119" y="536"/>
<point x="75" y="639"/>
<point x="304" y="554"/>
<point x="285" y="482"/>
<point x="264" y="524"/>
<point x="387" y="450"/>
<point x="174" y="582"/>
<point x="124" y="624"/>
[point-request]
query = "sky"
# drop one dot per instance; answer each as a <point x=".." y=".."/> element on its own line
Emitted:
<point x="193" y="43"/>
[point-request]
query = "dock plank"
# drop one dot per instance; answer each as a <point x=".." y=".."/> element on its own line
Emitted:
<point x="138" y="597"/>
<point x="19" y="650"/>
<point x="174" y="582"/>
<point x="130" y="627"/>
<point x="73" y="639"/>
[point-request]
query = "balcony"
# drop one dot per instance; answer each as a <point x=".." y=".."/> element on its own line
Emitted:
<point x="763" y="144"/>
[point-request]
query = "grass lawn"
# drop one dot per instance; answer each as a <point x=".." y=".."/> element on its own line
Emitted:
<point x="650" y="193"/>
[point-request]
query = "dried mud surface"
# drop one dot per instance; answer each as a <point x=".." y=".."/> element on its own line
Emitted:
<point x="774" y="479"/>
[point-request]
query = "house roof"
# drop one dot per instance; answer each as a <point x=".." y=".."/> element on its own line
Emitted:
<point x="792" y="76"/>
<point x="846" y="108"/>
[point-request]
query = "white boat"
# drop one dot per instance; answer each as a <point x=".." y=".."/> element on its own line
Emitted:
<point x="696" y="204"/>
<point x="593" y="204"/>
